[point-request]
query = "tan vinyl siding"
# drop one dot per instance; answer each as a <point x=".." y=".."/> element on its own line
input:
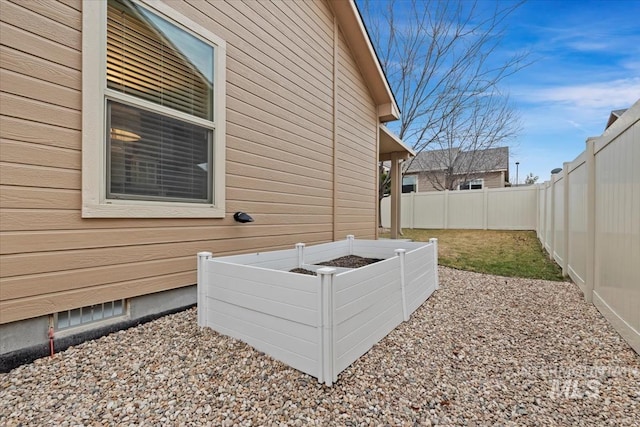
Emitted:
<point x="279" y="155"/>
<point x="493" y="179"/>
<point x="356" y="150"/>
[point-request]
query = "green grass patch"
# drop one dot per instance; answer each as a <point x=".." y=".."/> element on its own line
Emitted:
<point x="504" y="253"/>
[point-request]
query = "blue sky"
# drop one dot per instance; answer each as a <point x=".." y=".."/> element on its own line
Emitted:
<point x="586" y="63"/>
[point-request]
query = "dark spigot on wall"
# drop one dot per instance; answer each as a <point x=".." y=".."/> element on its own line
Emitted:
<point x="242" y="217"/>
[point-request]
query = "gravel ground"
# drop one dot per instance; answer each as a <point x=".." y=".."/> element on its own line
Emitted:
<point x="483" y="350"/>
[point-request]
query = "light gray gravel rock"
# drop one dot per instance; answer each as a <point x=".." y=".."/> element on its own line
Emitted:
<point x="483" y="350"/>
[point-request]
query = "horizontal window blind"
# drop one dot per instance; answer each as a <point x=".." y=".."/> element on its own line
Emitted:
<point x="152" y="59"/>
<point x="151" y="156"/>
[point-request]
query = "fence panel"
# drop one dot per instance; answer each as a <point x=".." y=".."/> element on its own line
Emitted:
<point x="616" y="286"/>
<point x="600" y="210"/>
<point x="548" y="217"/>
<point x="512" y="208"/>
<point x="495" y="208"/>
<point x="466" y="209"/>
<point x="429" y="210"/>
<point x="577" y="244"/>
<point x="541" y="213"/>
<point x="558" y="219"/>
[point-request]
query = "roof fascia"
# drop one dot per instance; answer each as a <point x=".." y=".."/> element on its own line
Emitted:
<point x="390" y="143"/>
<point x="354" y="31"/>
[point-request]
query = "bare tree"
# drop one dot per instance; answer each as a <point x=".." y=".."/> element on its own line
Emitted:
<point x="471" y="143"/>
<point x="531" y="179"/>
<point x="442" y="61"/>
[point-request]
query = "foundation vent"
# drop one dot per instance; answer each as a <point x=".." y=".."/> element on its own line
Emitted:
<point x="90" y="314"/>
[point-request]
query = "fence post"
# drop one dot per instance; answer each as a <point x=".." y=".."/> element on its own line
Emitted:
<point x="350" y="238"/>
<point x="434" y="241"/>
<point x="565" y="219"/>
<point x="326" y="359"/>
<point x="547" y="214"/>
<point x="401" y="253"/>
<point x="590" y="279"/>
<point x="552" y="225"/>
<point x="543" y="212"/>
<point x="300" y="254"/>
<point x="202" y="287"/>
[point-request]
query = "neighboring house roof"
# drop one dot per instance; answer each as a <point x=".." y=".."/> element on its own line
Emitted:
<point x="432" y="160"/>
<point x="358" y="40"/>
<point x="489" y="160"/>
<point x="615" y="114"/>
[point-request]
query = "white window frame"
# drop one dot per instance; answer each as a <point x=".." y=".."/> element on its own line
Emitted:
<point x="94" y="96"/>
<point x="473" y="182"/>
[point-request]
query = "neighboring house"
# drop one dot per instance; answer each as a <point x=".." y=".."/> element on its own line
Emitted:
<point x="613" y="116"/>
<point x="471" y="170"/>
<point x="132" y="131"/>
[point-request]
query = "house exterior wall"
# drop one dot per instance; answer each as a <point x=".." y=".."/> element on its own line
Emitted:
<point x="494" y="179"/>
<point x="280" y="100"/>
<point x="491" y="180"/>
<point x="355" y="155"/>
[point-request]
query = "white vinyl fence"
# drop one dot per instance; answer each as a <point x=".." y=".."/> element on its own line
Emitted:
<point x="587" y="217"/>
<point x="487" y="209"/>
<point x="589" y="220"/>
<point x="319" y="325"/>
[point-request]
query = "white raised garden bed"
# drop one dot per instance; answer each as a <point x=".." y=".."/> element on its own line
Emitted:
<point x="317" y="324"/>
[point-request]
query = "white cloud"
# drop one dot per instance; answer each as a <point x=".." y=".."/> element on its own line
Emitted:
<point x="589" y="46"/>
<point x="631" y="65"/>
<point x="619" y="93"/>
<point x="577" y="125"/>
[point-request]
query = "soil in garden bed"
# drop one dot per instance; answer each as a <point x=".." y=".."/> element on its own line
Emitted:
<point x="349" y="261"/>
<point x="303" y="271"/>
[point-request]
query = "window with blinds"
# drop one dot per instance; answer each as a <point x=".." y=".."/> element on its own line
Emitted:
<point x="159" y="108"/>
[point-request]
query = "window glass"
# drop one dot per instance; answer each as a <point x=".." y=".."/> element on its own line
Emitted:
<point x="153" y="59"/>
<point x="152" y="156"/>
<point x="408" y="183"/>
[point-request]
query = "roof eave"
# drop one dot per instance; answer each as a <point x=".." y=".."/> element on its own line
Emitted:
<point x="355" y="33"/>
<point x="391" y="145"/>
